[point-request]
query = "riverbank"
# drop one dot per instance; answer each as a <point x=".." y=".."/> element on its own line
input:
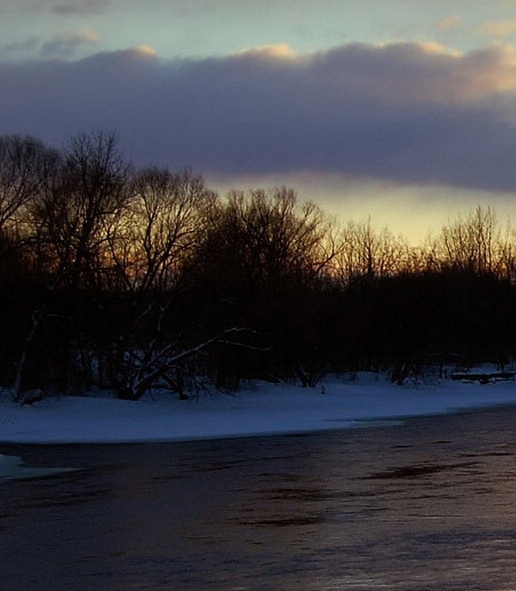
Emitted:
<point x="264" y="409"/>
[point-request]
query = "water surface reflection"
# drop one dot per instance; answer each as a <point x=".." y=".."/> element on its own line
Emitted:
<point x="427" y="505"/>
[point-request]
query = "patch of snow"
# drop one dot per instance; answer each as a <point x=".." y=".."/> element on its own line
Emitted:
<point x="262" y="410"/>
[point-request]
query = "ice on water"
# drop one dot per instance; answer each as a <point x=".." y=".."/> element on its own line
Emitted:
<point x="13" y="467"/>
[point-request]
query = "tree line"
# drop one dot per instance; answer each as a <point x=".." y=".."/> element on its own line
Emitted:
<point x="131" y="279"/>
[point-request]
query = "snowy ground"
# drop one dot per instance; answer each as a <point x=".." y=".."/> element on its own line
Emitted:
<point x="264" y="409"/>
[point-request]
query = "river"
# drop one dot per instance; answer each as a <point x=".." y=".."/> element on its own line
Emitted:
<point x="424" y="505"/>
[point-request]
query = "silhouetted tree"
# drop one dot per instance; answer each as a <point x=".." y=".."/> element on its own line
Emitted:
<point x="159" y="228"/>
<point x="367" y="252"/>
<point x="72" y="218"/>
<point x="472" y="242"/>
<point x="135" y="279"/>
<point x="259" y="261"/>
<point x="26" y="167"/>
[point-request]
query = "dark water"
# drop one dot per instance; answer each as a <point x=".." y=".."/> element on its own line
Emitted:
<point x="429" y="505"/>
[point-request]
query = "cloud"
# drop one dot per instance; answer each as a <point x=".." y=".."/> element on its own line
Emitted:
<point x="279" y="51"/>
<point x="67" y="44"/>
<point x="30" y="45"/>
<point x="188" y="7"/>
<point x="80" y="7"/>
<point x="63" y="46"/>
<point x="59" y="7"/>
<point x="403" y="113"/>
<point x="449" y="22"/>
<point x="498" y="29"/>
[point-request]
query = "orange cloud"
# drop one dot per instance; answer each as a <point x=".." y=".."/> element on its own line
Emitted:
<point x="278" y="51"/>
<point x="491" y="70"/>
<point x="145" y="51"/>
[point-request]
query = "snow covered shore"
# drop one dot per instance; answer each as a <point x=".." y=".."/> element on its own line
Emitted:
<point x="263" y="410"/>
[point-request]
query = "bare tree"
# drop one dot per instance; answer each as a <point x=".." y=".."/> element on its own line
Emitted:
<point x="367" y="252"/>
<point x="163" y="363"/>
<point x="67" y="224"/>
<point x="71" y="219"/>
<point x="472" y="242"/>
<point x="25" y="167"/>
<point x="159" y="227"/>
<point x="264" y="237"/>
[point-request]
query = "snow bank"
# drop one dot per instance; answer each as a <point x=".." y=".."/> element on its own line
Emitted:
<point x="263" y="410"/>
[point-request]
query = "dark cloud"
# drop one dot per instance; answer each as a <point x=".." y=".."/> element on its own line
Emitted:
<point x="405" y="113"/>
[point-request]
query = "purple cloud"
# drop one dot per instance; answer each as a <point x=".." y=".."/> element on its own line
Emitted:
<point x="405" y="112"/>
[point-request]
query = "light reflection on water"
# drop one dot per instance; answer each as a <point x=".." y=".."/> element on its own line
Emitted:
<point x="427" y="505"/>
<point x="13" y="468"/>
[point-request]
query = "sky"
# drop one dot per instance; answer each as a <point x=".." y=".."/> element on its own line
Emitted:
<point x="401" y="110"/>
